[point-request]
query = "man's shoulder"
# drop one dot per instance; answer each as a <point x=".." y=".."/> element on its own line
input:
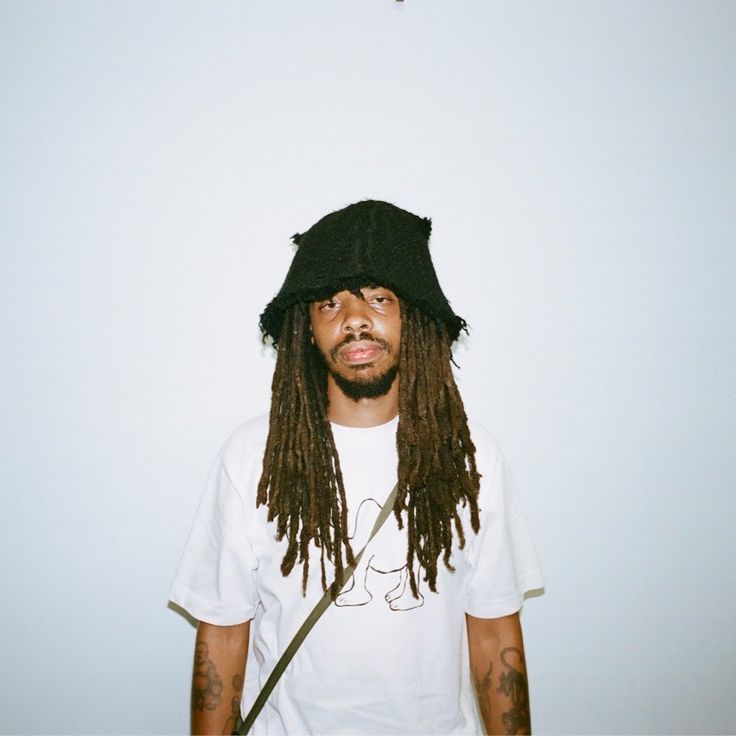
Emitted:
<point x="245" y="445"/>
<point x="248" y="441"/>
<point x="486" y="445"/>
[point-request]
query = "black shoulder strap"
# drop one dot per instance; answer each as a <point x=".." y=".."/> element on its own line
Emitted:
<point x="324" y="603"/>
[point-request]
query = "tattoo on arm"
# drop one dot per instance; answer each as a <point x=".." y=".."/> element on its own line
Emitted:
<point x="514" y="686"/>
<point x="483" y="691"/>
<point x="232" y="720"/>
<point x="206" y="683"/>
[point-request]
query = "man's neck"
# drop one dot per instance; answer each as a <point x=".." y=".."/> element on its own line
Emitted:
<point x="363" y="412"/>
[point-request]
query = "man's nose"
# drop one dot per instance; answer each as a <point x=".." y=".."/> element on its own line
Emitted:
<point x="356" y="316"/>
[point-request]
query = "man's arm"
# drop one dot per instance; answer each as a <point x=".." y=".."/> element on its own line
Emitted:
<point x="217" y="680"/>
<point x="499" y="673"/>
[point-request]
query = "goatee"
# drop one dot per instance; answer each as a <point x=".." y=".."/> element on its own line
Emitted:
<point x="366" y="388"/>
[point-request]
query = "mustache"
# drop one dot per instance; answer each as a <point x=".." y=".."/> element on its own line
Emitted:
<point x="362" y="337"/>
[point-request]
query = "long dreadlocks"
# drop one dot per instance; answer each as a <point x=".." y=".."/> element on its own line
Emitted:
<point x="302" y="483"/>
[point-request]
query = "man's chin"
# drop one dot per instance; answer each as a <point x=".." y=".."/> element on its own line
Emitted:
<point x="366" y="387"/>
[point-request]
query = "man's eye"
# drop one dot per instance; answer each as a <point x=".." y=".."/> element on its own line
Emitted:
<point x="331" y="304"/>
<point x="381" y="299"/>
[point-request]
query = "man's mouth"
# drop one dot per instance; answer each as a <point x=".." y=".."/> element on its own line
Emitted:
<point x="360" y="349"/>
<point x="361" y="352"/>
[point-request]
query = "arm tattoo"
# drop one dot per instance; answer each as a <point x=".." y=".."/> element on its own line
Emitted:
<point x="514" y="685"/>
<point x="233" y="720"/>
<point x="206" y="683"/>
<point x="483" y="691"/>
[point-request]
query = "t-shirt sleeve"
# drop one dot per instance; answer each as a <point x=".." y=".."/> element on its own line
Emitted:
<point x="214" y="582"/>
<point x="501" y="556"/>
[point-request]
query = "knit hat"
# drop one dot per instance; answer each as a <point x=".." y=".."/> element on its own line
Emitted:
<point x="369" y="243"/>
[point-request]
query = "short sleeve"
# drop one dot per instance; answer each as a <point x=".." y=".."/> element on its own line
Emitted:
<point x="214" y="582"/>
<point x="503" y="561"/>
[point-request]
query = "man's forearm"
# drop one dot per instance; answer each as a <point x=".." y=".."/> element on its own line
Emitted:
<point x="217" y="679"/>
<point x="499" y="674"/>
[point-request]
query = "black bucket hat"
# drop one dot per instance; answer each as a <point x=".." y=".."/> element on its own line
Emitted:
<point x="366" y="243"/>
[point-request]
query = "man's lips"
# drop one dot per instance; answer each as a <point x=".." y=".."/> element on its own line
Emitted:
<point x="363" y="351"/>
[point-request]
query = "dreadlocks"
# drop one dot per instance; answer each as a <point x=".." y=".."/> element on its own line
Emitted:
<point x="301" y="481"/>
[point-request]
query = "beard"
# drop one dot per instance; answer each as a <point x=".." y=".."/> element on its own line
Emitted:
<point x="365" y="388"/>
<point x="361" y="387"/>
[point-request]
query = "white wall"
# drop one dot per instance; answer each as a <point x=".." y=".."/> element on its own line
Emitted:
<point x="154" y="159"/>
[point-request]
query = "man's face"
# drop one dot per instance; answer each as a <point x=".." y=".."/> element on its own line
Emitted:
<point x="359" y="336"/>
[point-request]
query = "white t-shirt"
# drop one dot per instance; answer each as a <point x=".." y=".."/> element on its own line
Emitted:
<point x="379" y="661"/>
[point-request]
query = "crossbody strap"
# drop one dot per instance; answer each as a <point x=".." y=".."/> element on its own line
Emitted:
<point x="322" y="605"/>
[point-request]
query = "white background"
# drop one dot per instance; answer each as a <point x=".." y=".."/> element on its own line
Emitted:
<point x="577" y="160"/>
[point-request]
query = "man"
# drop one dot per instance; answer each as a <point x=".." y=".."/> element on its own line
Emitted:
<point x="363" y="396"/>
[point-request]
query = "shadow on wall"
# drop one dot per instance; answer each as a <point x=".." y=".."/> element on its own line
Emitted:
<point x="536" y="593"/>
<point x="184" y="614"/>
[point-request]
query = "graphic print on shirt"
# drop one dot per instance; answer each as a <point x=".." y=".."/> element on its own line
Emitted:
<point x="386" y="555"/>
